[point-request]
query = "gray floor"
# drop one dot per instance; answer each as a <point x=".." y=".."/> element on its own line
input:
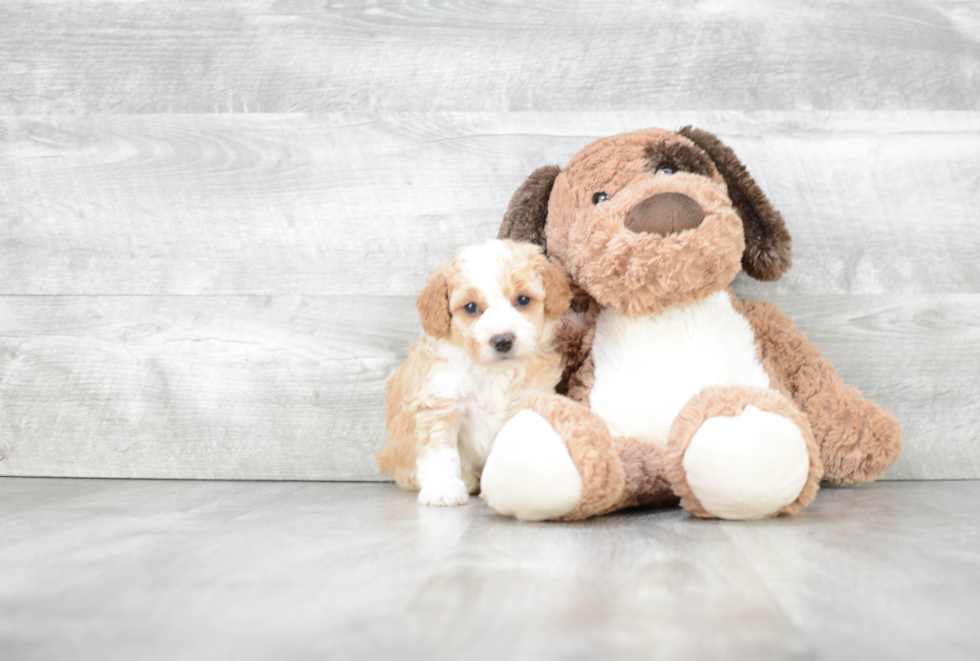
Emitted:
<point x="123" y="569"/>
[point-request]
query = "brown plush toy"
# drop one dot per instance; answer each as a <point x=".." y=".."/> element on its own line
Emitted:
<point x="675" y="388"/>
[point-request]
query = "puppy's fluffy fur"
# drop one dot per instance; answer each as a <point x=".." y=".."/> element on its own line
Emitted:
<point x="489" y="317"/>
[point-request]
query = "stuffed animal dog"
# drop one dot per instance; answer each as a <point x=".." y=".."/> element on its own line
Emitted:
<point x="489" y="317"/>
<point x="676" y="389"/>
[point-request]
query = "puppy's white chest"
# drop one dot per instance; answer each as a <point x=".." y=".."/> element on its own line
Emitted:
<point x="485" y="405"/>
<point x="648" y="367"/>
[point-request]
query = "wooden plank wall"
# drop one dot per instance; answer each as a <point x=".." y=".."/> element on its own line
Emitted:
<point x="214" y="216"/>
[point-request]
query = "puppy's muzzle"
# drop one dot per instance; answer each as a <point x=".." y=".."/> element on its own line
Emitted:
<point x="664" y="213"/>
<point x="502" y="343"/>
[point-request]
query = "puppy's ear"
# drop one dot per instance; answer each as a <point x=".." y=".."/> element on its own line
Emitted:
<point x="433" y="304"/>
<point x="528" y="209"/>
<point x="557" y="294"/>
<point x="768" y="246"/>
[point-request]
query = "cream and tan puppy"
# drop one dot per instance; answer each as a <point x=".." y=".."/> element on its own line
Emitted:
<point x="489" y="317"/>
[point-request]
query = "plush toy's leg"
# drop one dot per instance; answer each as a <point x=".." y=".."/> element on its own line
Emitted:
<point x="742" y="453"/>
<point x="529" y="473"/>
<point x="645" y="473"/>
<point x="557" y="460"/>
<point x="858" y="439"/>
<point x="553" y="460"/>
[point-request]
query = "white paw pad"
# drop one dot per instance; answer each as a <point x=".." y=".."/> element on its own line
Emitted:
<point x="440" y="480"/>
<point x="444" y="493"/>
<point x="747" y="466"/>
<point x="529" y="474"/>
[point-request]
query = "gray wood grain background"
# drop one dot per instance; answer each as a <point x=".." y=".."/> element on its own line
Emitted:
<point x="214" y="216"/>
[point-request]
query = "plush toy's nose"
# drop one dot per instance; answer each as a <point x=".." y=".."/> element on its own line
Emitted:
<point x="664" y="213"/>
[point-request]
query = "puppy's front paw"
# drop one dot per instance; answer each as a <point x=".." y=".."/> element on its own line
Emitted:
<point x="444" y="493"/>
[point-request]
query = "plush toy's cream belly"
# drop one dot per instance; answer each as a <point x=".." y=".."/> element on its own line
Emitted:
<point x="647" y="368"/>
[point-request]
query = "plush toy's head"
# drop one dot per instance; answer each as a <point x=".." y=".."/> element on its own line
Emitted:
<point x="649" y="219"/>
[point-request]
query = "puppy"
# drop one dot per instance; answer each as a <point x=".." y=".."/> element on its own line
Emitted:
<point x="489" y="317"/>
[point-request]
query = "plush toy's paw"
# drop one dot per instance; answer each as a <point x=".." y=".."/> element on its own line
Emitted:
<point x="444" y="492"/>
<point x="742" y="453"/>
<point x="529" y="474"/>
<point x="747" y="466"/>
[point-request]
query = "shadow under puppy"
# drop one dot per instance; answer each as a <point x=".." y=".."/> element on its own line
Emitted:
<point x="489" y="317"/>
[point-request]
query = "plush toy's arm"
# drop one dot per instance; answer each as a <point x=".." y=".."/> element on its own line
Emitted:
<point x="573" y="342"/>
<point x="858" y="439"/>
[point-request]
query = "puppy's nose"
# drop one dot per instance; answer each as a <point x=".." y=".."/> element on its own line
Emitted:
<point x="664" y="213"/>
<point x="502" y="343"/>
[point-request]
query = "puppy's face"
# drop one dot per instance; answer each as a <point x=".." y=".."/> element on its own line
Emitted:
<point x="500" y="300"/>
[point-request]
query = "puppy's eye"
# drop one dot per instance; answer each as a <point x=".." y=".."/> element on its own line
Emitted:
<point x="471" y="308"/>
<point x="523" y="300"/>
<point x="666" y="170"/>
<point x="599" y="197"/>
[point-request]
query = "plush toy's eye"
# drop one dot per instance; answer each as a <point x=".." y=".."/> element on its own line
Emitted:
<point x="523" y="300"/>
<point x="666" y="170"/>
<point x="471" y="308"/>
<point x="599" y="197"/>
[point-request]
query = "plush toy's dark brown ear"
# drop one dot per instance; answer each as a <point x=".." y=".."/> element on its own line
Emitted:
<point x="433" y="304"/>
<point x="768" y="246"/>
<point x="528" y="210"/>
